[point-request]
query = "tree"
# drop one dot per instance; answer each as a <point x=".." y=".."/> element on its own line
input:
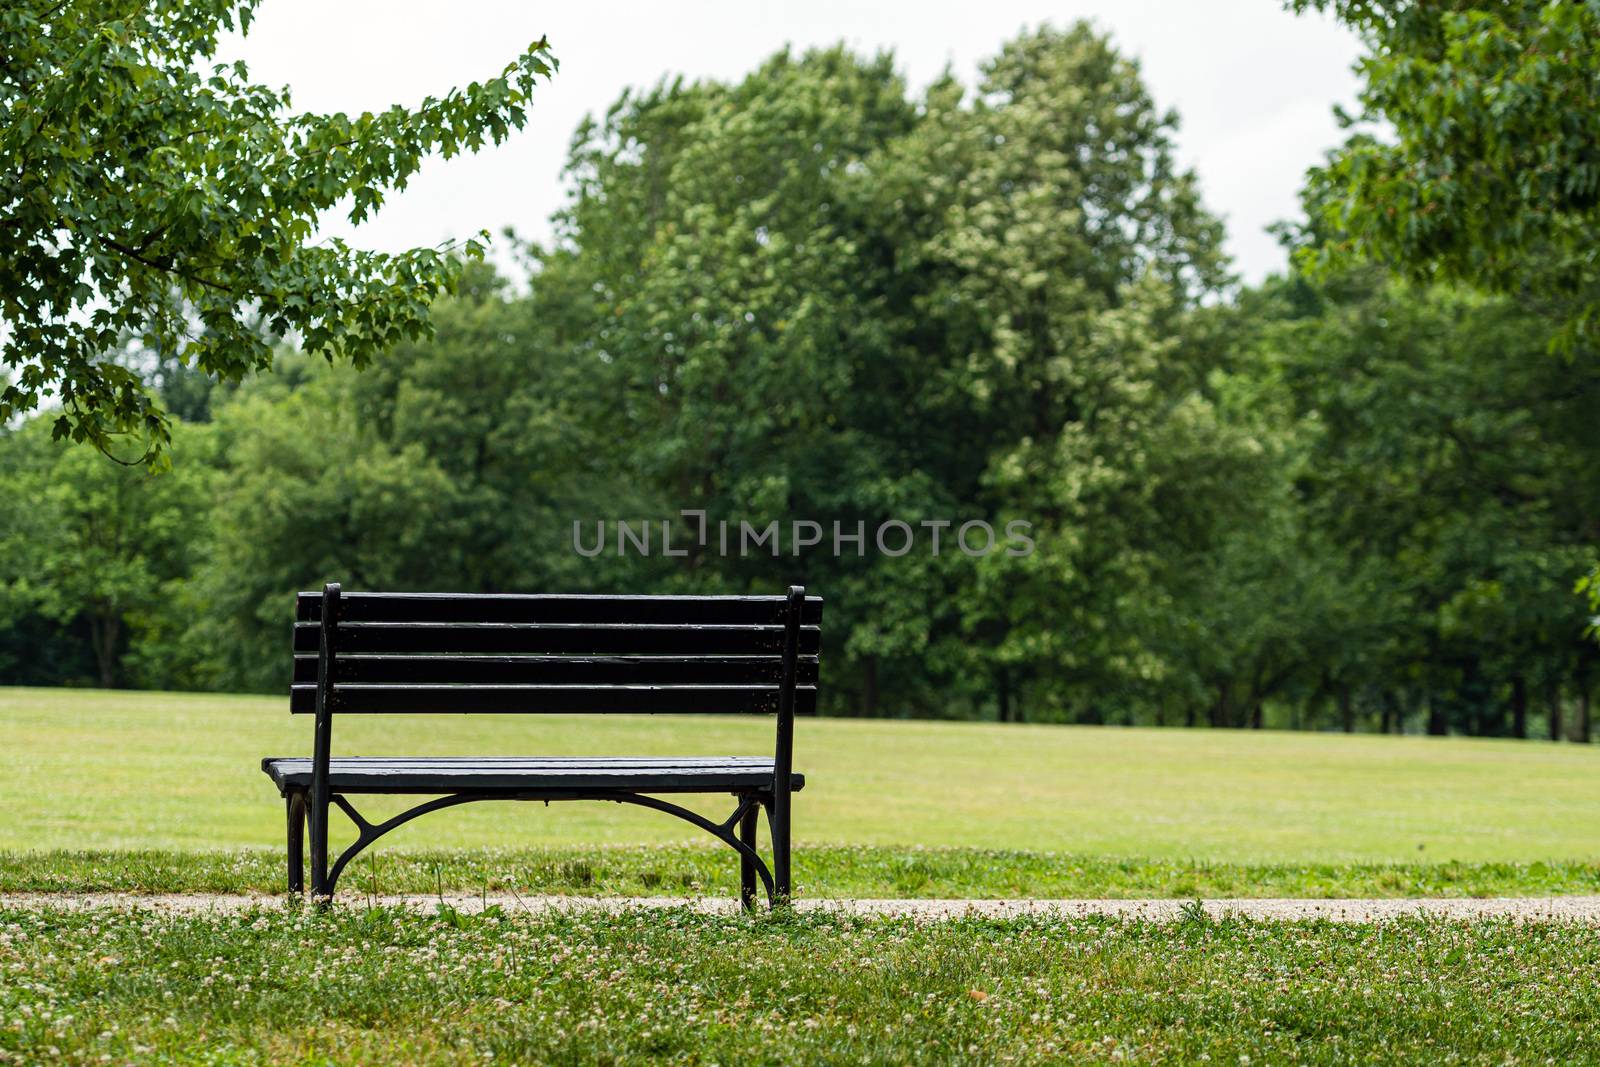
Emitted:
<point x="457" y="462"/>
<point x="817" y="299"/>
<point x="1447" y="471"/>
<point x="307" y="494"/>
<point x="99" y="546"/>
<point x="1491" y="177"/>
<point x="1054" y="252"/>
<point x="1340" y="501"/>
<point x="149" y="201"/>
<point x="737" y="327"/>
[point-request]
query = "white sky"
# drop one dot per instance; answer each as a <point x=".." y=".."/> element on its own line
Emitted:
<point x="1253" y="85"/>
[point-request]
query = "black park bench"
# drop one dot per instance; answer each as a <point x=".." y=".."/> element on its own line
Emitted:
<point x="375" y="653"/>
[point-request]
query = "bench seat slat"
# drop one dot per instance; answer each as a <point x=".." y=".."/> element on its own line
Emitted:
<point x="601" y="670"/>
<point x="553" y="699"/>
<point x="557" y="607"/>
<point x="531" y="774"/>
<point x="555" y="638"/>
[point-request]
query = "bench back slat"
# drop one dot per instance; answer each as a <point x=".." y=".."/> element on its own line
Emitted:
<point x="558" y="608"/>
<point x="559" y="670"/>
<point x="489" y="639"/>
<point x="536" y="699"/>
<point x="442" y="653"/>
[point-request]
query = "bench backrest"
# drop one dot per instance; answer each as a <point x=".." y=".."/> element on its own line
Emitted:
<point x="432" y="652"/>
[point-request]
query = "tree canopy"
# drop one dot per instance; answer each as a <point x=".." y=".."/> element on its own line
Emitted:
<point x="1491" y="178"/>
<point x="153" y="198"/>
<point x="1343" y="499"/>
<point x="1479" y="163"/>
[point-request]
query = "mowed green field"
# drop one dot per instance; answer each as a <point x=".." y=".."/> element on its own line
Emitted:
<point x="94" y="769"/>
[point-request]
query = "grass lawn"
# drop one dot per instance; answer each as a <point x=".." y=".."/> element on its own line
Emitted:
<point x="116" y="770"/>
<point x="160" y="793"/>
<point x="383" y="986"/>
<point x="820" y="871"/>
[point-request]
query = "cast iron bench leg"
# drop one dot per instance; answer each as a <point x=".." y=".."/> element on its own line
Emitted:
<point x="297" y="828"/>
<point x="747" y="869"/>
<point x="778" y="823"/>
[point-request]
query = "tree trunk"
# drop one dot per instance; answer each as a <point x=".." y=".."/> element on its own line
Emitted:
<point x="104" y="630"/>
<point x="1004" y="696"/>
<point x="1580" y="730"/>
<point x="1436" y="723"/>
<point x="1256" y="716"/>
<point x="1221" y="712"/>
<point x="1347" y="710"/>
<point x="869" y="687"/>
<point x="1552" y="698"/>
<point x="1519" y="707"/>
<point x="1469" y="699"/>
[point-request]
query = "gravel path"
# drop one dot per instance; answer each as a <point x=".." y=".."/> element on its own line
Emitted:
<point x="1575" y="909"/>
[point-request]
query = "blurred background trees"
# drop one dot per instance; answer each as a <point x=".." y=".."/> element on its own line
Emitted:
<point x="1353" y="498"/>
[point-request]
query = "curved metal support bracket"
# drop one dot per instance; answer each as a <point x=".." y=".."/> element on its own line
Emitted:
<point x="723" y="831"/>
<point x="368" y="832"/>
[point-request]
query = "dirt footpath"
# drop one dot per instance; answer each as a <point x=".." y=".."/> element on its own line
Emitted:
<point x="1575" y="909"/>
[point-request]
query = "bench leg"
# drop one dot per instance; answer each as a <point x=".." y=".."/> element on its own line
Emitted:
<point x="748" y="885"/>
<point x="778" y="822"/>
<point x="296" y="803"/>
<point x="318" y="812"/>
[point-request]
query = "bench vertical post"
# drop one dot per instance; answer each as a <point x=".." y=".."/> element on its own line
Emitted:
<point x="322" y="744"/>
<point x="783" y="758"/>
<point x="747" y="867"/>
<point x="296" y="805"/>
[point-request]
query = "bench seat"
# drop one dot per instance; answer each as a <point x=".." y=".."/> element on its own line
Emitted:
<point x="517" y="774"/>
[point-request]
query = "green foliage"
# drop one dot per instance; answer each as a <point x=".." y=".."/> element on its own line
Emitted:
<point x="805" y="295"/>
<point x="152" y="198"/>
<point x="101" y="547"/>
<point x="458" y="464"/>
<point x="1061" y="244"/>
<point x="1449" y="465"/>
<point x="818" y="300"/>
<point x="1490" y="177"/>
